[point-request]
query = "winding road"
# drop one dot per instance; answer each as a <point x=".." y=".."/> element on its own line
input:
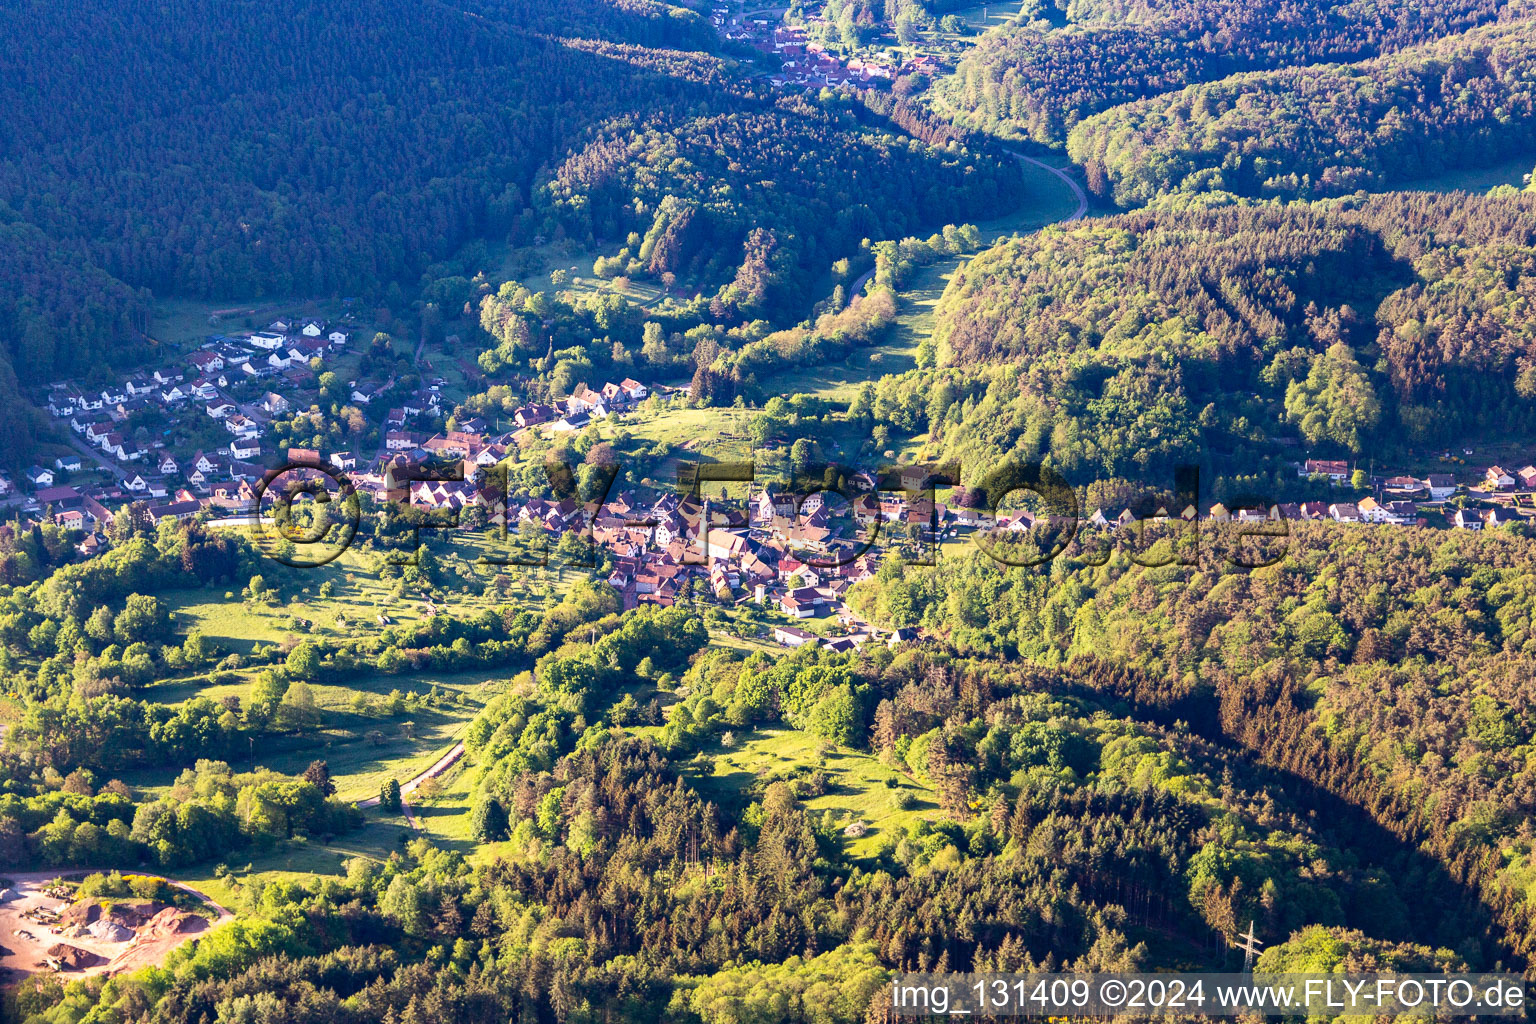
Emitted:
<point x="1077" y="190"/>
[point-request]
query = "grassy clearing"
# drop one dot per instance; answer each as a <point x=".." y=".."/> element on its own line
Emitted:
<point x="178" y="322"/>
<point x="298" y="860"/>
<point x="1049" y="200"/>
<point x="1477" y="179"/>
<point x="534" y="267"/>
<point x="363" y="747"/>
<point x="985" y="16"/>
<point x="861" y="786"/>
<point x="445" y="818"/>
<point x="361" y="595"/>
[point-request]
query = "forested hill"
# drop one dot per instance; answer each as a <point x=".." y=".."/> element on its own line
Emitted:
<point x="1039" y="78"/>
<point x="299" y="147"/>
<point x="296" y="148"/>
<point x="1213" y="327"/>
<point x="1327" y="129"/>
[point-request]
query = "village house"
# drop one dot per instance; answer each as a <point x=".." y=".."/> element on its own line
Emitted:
<point x="532" y="415"/>
<point x="241" y="426"/>
<point x="1336" y="470"/>
<point x="1371" y="511"/>
<point x="793" y="636"/>
<point x="206" y="362"/>
<point x="1496" y="478"/>
<point x="802" y="603"/>
<point x="179" y="511"/>
<point x="1440" y="486"/>
<point x="1500" y="515"/>
<point x="1344" y="512"/>
<point x="401" y="441"/>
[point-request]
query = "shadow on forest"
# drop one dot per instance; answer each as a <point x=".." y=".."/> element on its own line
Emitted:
<point x="1438" y="910"/>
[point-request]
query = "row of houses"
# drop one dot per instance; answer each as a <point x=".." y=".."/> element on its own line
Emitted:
<point x="1437" y="486"/>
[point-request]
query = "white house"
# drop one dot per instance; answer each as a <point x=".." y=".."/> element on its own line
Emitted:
<point x="1498" y="478"/>
<point x="1467" y="519"/>
<point x="1344" y="512"/>
<point x="241" y="426"/>
<point x="793" y="636"/>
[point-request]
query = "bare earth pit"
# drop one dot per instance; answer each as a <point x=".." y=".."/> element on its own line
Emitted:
<point x="42" y="929"/>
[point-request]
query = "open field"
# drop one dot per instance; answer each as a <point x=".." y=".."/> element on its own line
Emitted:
<point x="861" y="787"/>
<point x="361" y="594"/>
<point x="445" y="818"/>
<point x="183" y="323"/>
<point x="297" y="860"/>
<point x="1049" y="201"/>
<point x="358" y="736"/>
<point x="985" y="16"/>
<point x="533" y="267"/>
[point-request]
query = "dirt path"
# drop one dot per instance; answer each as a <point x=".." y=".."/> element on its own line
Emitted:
<point x="441" y="765"/>
<point x="1077" y="190"/>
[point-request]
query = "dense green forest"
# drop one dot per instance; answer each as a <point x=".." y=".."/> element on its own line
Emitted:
<point x="1386" y="668"/>
<point x="1207" y="329"/>
<point x="510" y="773"/>
<point x="1062" y="62"/>
<point x="1126" y="766"/>
<point x="1323" y="130"/>
<point x="760" y="244"/>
